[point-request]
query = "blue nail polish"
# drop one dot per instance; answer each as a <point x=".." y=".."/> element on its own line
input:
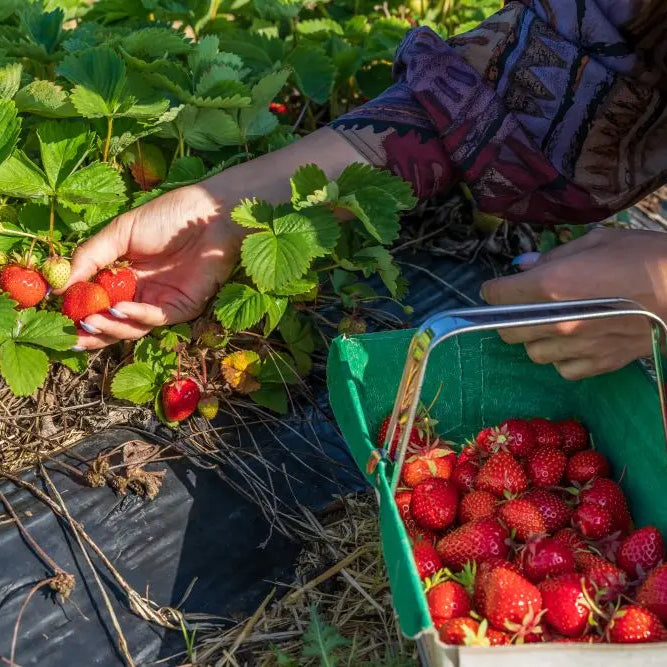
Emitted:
<point x="117" y="313"/>
<point x="89" y="328"/>
<point x="526" y="259"/>
<point x="78" y="348"/>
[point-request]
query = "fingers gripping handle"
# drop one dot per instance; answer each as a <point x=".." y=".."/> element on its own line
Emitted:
<point x="450" y="323"/>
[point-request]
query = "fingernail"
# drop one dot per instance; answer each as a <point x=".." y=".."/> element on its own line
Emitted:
<point x="481" y="293"/>
<point x="89" y="328"/>
<point x="78" y="348"/>
<point x="117" y="313"/>
<point x="48" y="293"/>
<point x="526" y="260"/>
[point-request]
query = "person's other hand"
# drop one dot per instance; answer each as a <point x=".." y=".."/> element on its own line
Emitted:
<point x="603" y="263"/>
<point x="182" y="247"/>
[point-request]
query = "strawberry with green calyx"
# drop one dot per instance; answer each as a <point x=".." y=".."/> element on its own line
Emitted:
<point x="457" y="630"/>
<point x="501" y="472"/>
<point x="568" y="604"/>
<point x="513" y="435"/>
<point x="22" y="282"/>
<point x="633" y="624"/>
<point x="351" y="325"/>
<point x="83" y="299"/>
<point x="585" y="466"/>
<point x="434" y="504"/>
<point x="522" y="519"/>
<point x="446" y="598"/>
<point x="641" y="551"/>
<point x="119" y="282"/>
<point x="180" y="396"/>
<point x="478" y="541"/>
<point x="422" y="463"/>
<point x="420" y="434"/>
<point x="208" y="406"/>
<point x="56" y="270"/>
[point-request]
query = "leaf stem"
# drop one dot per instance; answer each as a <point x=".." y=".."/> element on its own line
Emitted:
<point x="107" y="144"/>
<point x="52" y="224"/>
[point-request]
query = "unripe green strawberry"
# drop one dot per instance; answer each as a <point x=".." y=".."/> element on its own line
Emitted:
<point x="56" y="270"/>
<point x="351" y="325"/>
<point x="208" y="407"/>
<point x="212" y="336"/>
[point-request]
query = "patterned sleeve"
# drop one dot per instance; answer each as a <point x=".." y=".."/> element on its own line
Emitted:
<point x="551" y="110"/>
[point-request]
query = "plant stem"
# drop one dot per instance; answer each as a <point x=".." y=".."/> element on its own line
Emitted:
<point x="107" y="144"/>
<point x="52" y="224"/>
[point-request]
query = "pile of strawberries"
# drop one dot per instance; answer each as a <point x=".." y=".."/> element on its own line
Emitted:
<point x="522" y="536"/>
<point x="28" y="285"/>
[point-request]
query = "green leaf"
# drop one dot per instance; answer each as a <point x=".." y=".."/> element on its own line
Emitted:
<point x="298" y="334"/>
<point x="278" y="368"/>
<point x="239" y="307"/>
<point x="10" y="80"/>
<point x="382" y="261"/>
<point x="297" y="287"/>
<point x="152" y="43"/>
<point x="278" y="9"/>
<point x="377" y="212"/>
<point x="319" y="26"/>
<point x="263" y="93"/>
<point x="22" y="178"/>
<point x="307" y="180"/>
<point x="208" y="129"/>
<point x="99" y="76"/>
<point x="275" y="309"/>
<point x="253" y="214"/>
<point x="77" y="362"/>
<point x="63" y="146"/>
<point x="186" y="170"/>
<point x="10" y="126"/>
<point x="314" y="72"/>
<point x="24" y="368"/>
<point x="46" y="329"/>
<point x="358" y="176"/>
<point x="272" y="396"/>
<point x="8" y="315"/>
<point x="136" y="383"/>
<point x="97" y="183"/>
<point x="43" y="28"/>
<point x="44" y="98"/>
<point x="321" y="640"/>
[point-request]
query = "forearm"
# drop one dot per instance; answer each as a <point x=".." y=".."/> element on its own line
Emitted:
<point x="268" y="177"/>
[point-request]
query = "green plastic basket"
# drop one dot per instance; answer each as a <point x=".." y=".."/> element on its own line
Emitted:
<point x="482" y="381"/>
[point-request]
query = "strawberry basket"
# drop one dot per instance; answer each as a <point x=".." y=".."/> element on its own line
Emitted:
<point x="478" y="380"/>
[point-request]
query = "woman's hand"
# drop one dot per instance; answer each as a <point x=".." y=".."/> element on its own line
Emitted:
<point x="182" y="247"/>
<point x="604" y="263"/>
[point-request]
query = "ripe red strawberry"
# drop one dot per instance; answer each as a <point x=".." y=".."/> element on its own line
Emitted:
<point x="417" y="435"/>
<point x="570" y="537"/>
<point x="592" y="521"/>
<point x="119" y="282"/>
<point x="498" y="638"/>
<point x="483" y="439"/>
<point x="426" y="558"/>
<point x="513" y="435"/>
<point x="546" y="466"/>
<point x="546" y="557"/>
<point x="403" y="498"/>
<point x="547" y="433"/>
<point x="522" y="519"/>
<point x="447" y="600"/>
<point x="24" y="285"/>
<point x="455" y="631"/>
<point x="641" y="551"/>
<point x="433" y="461"/>
<point x="483" y="570"/>
<point x="468" y="454"/>
<point x="652" y="594"/>
<point x="434" y="504"/>
<point x="586" y="560"/>
<point x="84" y="299"/>
<point x="575" y="436"/>
<point x="278" y="108"/>
<point x="554" y="510"/>
<point x="511" y="600"/>
<point x="477" y="505"/>
<point x="179" y="398"/>
<point x="633" y="624"/>
<point x="607" y="494"/>
<point x="463" y="476"/>
<point x="474" y="541"/>
<point x="584" y="466"/>
<point x="608" y="580"/>
<point x="566" y="609"/>
<point x="501" y="473"/>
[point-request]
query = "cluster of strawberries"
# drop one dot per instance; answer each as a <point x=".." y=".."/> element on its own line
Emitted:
<point x="523" y="537"/>
<point x="28" y="285"/>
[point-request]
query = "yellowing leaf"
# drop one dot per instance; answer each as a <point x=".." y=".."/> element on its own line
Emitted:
<point x="240" y="370"/>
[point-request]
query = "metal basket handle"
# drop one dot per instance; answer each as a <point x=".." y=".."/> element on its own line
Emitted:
<point x="450" y="323"/>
